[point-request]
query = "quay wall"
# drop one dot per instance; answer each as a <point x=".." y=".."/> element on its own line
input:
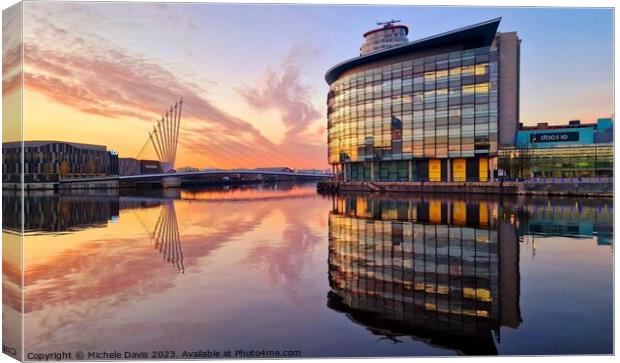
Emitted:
<point x="500" y="188"/>
<point x="30" y="186"/>
<point x="103" y="184"/>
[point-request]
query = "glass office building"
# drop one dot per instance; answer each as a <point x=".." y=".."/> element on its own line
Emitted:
<point x="435" y="109"/>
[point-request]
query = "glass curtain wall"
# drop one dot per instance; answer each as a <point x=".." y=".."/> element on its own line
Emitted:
<point x="439" y="106"/>
<point x="558" y="162"/>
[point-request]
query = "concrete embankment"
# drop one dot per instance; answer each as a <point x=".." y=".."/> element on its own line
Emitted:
<point x="101" y="184"/>
<point x="501" y="188"/>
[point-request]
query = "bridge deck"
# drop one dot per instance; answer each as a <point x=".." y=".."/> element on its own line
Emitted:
<point x="145" y="177"/>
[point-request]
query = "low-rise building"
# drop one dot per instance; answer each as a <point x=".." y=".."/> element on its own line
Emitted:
<point x="46" y="161"/>
<point x="279" y="169"/>
<point x="150" y="167"/>
<point x="313" y="171"/>
<point x="572" y="150"/>
<point x="133" y="166"/>
<point x="187" y="169"/>
<point x="128" y="166"/>
<point x="574" y="133"/>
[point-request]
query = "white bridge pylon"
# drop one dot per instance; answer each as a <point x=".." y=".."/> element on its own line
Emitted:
<point x="165" y="136"/>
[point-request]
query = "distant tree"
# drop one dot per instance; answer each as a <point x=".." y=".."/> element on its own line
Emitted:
<point x="64" y="169"/>
<point x="47" y="168"/>
<point x="89" y="168"/>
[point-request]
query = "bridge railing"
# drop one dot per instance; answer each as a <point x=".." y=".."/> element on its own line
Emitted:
<point x="199" y="173"/>
<point x="597" y="180"/>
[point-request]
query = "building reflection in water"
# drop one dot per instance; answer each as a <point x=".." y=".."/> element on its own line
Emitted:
<point x="441" y="271"/>
<point x="584" y="218"/>
<point x="49" y="212"/>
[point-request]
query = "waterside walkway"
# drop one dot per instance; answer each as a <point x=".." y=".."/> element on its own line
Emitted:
<point x="590" y="187"/>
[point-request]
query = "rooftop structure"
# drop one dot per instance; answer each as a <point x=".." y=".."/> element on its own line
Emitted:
<point x="388" y="36"/>
<point x="472" y="36"/>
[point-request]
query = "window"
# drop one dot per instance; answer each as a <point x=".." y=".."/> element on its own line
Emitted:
<point x="481" y="87"/>
<point x="468" y="90"/>
<point x="481" y="69"/>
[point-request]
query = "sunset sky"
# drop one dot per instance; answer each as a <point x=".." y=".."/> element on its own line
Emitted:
<point x="251" y="76"/>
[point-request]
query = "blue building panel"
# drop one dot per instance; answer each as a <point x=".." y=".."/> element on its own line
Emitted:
<point x="601" y="132"/>
<point x="555" y="137"/>
<point x="604" y="131"/>
<point x="604" y="124"/>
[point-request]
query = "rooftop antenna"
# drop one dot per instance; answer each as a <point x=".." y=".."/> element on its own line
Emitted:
<point x="388" y="23"/>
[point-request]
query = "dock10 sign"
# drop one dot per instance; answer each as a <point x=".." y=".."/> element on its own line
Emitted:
<point x="555" y="137"/>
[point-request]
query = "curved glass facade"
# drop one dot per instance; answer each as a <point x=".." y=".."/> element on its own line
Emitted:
<point x="438" y="106"/>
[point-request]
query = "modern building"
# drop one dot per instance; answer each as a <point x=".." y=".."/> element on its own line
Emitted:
<point x="151" y="167"/>
<point x="560" y="151"/>
<point x="433" y="109"/>
<point x="133" y="166"/>
<point x="46" y="161"/>
<point x="128" y="166"/>
<point x="574" y="133"/>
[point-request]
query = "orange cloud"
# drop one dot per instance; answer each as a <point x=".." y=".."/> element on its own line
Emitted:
<point x="97" y="78"/>
<point x="282" y="89"/>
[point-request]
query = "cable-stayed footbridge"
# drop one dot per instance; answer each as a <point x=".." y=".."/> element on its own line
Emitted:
<point x="165" y="137"/>
<point x="229" y="155"/>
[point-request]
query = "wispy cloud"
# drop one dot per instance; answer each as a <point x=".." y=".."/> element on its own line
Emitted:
<point x="96" y="77"/>
<point x="281" y="88"/>
<point x="11" y="49"/>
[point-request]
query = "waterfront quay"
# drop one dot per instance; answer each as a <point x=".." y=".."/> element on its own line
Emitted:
<point x="568" y="187"/>
<point x="59" y="165"/>
<point x="170" y="180"/>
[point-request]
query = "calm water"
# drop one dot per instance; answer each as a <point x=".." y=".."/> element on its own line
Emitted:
<point x="279" y="267"/>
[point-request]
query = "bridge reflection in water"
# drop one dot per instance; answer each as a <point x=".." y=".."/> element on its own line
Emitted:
<point x="166" y="237"/>
<point x="445" y="272"/>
